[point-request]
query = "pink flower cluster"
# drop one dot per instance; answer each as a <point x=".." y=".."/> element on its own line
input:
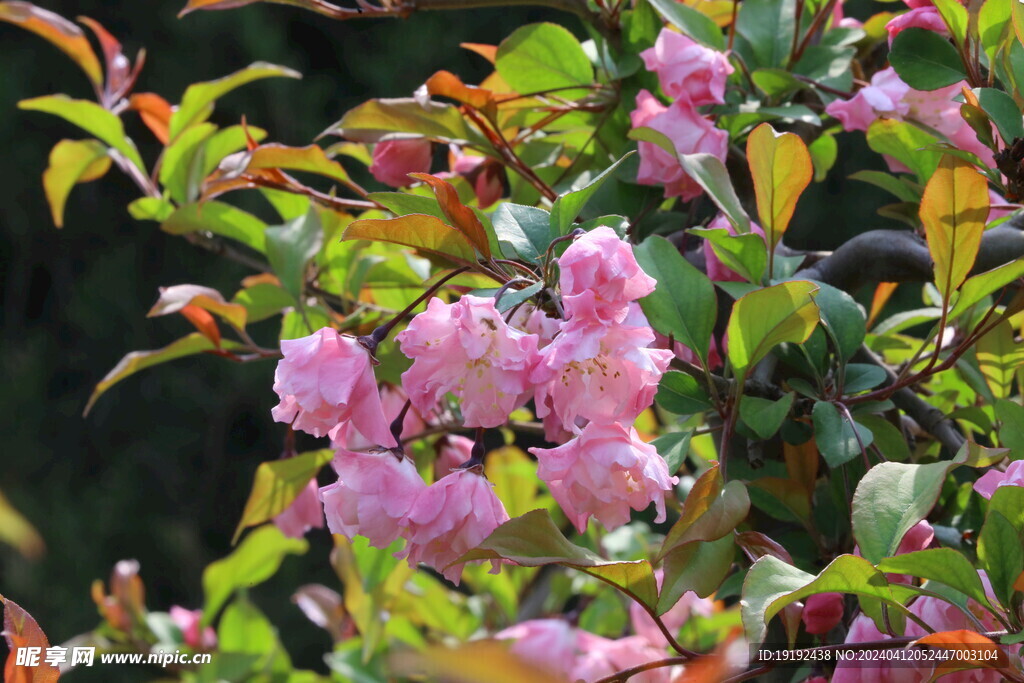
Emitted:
<point x="590" y="375"/>
<point x="693" y="76"/>
<point x="575" y="654"/>
<point x="889" y="97"/>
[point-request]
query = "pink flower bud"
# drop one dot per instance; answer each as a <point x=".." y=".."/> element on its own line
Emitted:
<point x="188" y="621"/>
<point x="372" y="497"/>
<point x="394" y="160"/>
<point x="822" y="612"/>
<point x="605" y="471"/>
<point x="326" y="379"/>
<point x="451" y="517"/>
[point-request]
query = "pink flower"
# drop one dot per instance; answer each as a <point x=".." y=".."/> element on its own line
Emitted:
<point x="716" y="270"/>
<point x="937" y="613"/>
<point x="303" y="514"/>
<point x="687" y="70"/>
<point x="889" y="97"/>
<point x="326" y="379"/>
<point x="598" y="372"/>
<point x="685" y="353"/>
<point x="688" y="605"/>
<point x="482" y="172"/>
<point x="602" y="657"/>
<point x="392" y="400"/>
<point x="372" y="497"/>
<point x="547" y="643"/>
<point x="822" y="612"/>
<point x="927" y="18"/>
<point x="600" y="276"/>
<point x="689" y="132"/>
<point x="535" y="321"/>
<point x="604" y="472"/>
<point x="188" y="621"/>
<point x="468" y="349"/>
<point x="993" y="479"/>
<point x="451" y="517"/>
<point x="394" y="160"/>
<point x="452" y="451"/>
<point x="918" y="537"/>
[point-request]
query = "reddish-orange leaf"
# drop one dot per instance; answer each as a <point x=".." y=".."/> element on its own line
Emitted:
<point x="488" y="52"/>
<point x="155" y="112"/>
<point x="883" y="292"/>
<point x="119" y="71"/>
<point x="973" y="649"/>
<point x="756" y="545"/>
<point x="1018" y="583"/>
<point x="447" y="84"/>
<point x="802" y="463"/>
<point x="203" y="322"/>
<point x="460" y="216"/>
<point x="318" y="6"/>
<point x="21" y="630"/>
<point x="260" y="279"/>
<point x="969" y="97"/>
<point x="179" y="297"/>
<point x="62" y="33"/>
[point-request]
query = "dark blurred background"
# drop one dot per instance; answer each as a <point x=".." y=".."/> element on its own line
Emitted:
<point x="160" y="470"/>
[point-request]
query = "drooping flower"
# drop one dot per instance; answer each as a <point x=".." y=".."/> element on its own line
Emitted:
<point x="452" y="450"/>
<point x="993" y="479"/>
<point x="598" y="372"/>
<point x="687" y="70"/>
<point x="599" y="276"/>
<point x="688" y="605"/>
<point x="546" y="643"/>
<point x="394" y="160"/>
<point x="716" y="270"/>
<point x="326" y="379"/>
<point x="468" y="349"/>
<point x="392" y="400"/>
<point x="483" y="173"/>
<point x="822" y="612"/>
<point x="190" y="624"/>
<point x="372" y="497"/>
<point x="303" y="514"/>
<point x="602" y="657"/>
<point x="451" y="517"/>
<point x="604" y="472"/>
<point x="689" y="132"/>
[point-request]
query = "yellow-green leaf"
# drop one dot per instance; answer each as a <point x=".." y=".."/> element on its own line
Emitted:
<point x="765" y="318"/>
<point x="91" y="118"/>
<point x="310" y="159"/>
<point x="277" y="484"/>
<point x="781" y="167"/>
<point x="72" y="162"/>
<point x="953" y="210"/>
<point x="18" y="531"/>
<point x="999" y="357"/>
<point x="422" y="232"/>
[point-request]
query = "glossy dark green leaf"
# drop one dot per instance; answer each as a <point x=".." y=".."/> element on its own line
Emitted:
<point x="525" y="229"/>
<point x="763" y="416"/>
<point x="1000" y="554"/>
<point x="673" y="447"/>
<point x="681" y="394"/>
<point x="691" y="22"/>
<point x="842" y="317"/>
<point x="569" y="205"/>
<point x="838" y="439"/>
<point x="925" y="60"/>
<point x="699" y="567"/>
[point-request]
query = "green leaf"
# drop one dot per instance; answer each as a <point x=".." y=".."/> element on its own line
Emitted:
<point x="842" y="317"/>
<point x="699" y="567"/>
<point x="954" y="209"/>
<point x="681" y="394"/>
<point x="767" y="25"/>
<point x="179" y="173"/>
<point x="955" y="16"/>
<point x="890" y="183"/>
<point x="836" y="436"/>
<point x="91" y="118"/>
<point x="689" y="319"/>
<point x="691" y="22"/>
<point x="777" y="82"/>
<point x="859" y="377"/>
<point x="673" y="447"/>
<point x="1000" y="555"/>
<point x="276" y="485"/>
<point x="525" y="229"/>
<point x="888" y="438"/>
<point x="710" y="511"/>
<point x="263" y="300"/>
<point x="150" y="209"/>
<point x="197" y="102"/>
<point x="375" y="119"/>
<point x="72" y="162"/>
<point x="745" y="254"/>
<point x="944" y="565"/>
<point x="402" y="204"/>
<point x="220" y="219"/>
<point x="140" y="360"/>
<point x="422" y="232"/>
<point x="1011" y="428"/>
<point x="824" y="152"/>
<point x="243" y="629"/>
<point x="893" y="497"/>
<point x="999" y="357"/>
<point x="904" y="142"/>
<point x="979" y="286"/>
<point x="291" y="246"/>
<point x="569" y="205"/>
<point x="254" y="561"/>
<point x="1003" y="111"/>
<point x="995" y="26"/>
<point x="772" y="584"/>
<point x="533" y="540"/>
<point x="924" y="60"/>
<point x="767" y="317"/>
<point x="765" y="417"/>
<point x="541" y="57"/>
